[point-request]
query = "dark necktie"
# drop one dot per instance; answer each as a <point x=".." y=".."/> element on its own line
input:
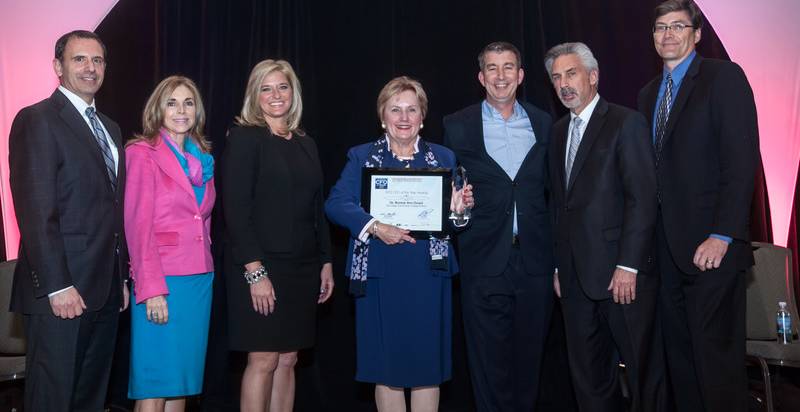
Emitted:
<point x="662" y="117"/>
<point x="574" y="143"/>
<point x="100" y="137"/>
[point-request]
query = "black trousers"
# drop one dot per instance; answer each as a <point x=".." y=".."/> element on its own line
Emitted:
<point x="600" y="333"/>
<point x="703" y="320"/>
<point x="68" y="362"/>
<point x="506" y="320"/>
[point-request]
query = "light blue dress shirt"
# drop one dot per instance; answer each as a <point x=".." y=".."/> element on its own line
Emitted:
<point x="507" y="141"/>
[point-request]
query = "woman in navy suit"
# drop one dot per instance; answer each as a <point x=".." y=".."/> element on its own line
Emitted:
<point x="403" y="291"/>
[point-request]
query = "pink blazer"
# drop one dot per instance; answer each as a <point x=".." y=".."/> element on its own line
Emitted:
<point x="167" y="233"/>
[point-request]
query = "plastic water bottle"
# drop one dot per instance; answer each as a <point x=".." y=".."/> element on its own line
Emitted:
<point x="784" y="323"/>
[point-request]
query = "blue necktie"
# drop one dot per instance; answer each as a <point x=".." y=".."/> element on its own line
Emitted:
<point x="662" y="117"/>
<point x="100" y="136"/>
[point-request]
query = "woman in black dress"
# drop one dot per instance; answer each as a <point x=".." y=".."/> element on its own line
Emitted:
<point x="278" y="263"/>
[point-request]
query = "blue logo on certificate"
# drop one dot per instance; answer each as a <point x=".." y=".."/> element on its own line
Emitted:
<point x="381" y="183"/>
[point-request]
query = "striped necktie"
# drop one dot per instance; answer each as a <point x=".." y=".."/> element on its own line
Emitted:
<point x="100" y="137"/>
<point x="574" y="142"/>
<point x="662" y="117"/>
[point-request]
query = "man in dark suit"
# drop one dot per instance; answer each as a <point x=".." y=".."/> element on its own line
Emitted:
<point x="602" y="175"/>
<point x="705" y="133"/>
<point x="506" y="250"/>
<point x="67" y="180"/>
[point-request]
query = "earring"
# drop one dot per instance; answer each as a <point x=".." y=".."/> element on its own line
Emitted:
<point x="421" y="125"/>
<point x="383" y="126"/>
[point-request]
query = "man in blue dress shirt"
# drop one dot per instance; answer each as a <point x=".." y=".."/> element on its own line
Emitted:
<point x="705" y="136"/>
<point x="506" y="250"/>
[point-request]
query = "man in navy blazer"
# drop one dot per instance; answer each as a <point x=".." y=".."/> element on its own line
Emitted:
<point x="506" y="251"/>
<point x="705" y="132"/>
<point x="67" y="179"/>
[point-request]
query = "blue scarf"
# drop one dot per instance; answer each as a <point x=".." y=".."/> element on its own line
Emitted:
<point x="188" y="159"/>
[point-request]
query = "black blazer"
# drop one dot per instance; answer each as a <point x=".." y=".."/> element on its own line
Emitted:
<point x="707" y="169"/>
<point x="256" y="194"/>
<point x="70" y="219"/>
<point x="485" y="245"/>
<point x="606" y="215"/>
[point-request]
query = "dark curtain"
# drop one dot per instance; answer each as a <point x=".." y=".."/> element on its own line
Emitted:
<point x="344" y="52"/>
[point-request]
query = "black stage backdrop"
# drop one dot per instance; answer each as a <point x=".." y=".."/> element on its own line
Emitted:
<point x="344" y="52"/>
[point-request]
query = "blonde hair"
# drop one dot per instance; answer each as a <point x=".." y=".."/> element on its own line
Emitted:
<point x="399" y="85"/>
<point x="252" y="115"/>
<point x="153" y="114"/>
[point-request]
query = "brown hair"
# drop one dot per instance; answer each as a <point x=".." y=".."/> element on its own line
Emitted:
<point x="689" y="6"/>
<point x="153" y="114"/>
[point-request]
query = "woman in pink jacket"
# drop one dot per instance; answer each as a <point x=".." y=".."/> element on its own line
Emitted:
<point x="169" y="195"/>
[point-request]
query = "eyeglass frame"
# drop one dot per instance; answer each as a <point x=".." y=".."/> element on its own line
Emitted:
<point x="676" y="28"/>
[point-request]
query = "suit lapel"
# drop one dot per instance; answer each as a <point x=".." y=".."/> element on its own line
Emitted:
<point x="650" y="103"/>
<point x="687" y="84"/>
<point x="74" y="120"/>
<point x="475" y="127"/>
<point x="541" y="139"/>
<point x="167" y="162"/>
<point x="596" y="123"/>
<point x="115" y="136"/>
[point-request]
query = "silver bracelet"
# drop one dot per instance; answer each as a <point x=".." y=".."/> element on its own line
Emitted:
<point x="256" y="275"/>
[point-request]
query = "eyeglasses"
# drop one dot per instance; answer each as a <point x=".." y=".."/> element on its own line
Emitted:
<point x="676" y="28"/>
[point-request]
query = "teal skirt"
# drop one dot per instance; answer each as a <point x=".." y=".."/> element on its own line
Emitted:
<point x="168" y="360"/>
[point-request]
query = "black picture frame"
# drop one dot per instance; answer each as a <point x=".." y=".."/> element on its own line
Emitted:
<point x="446" y="177"/>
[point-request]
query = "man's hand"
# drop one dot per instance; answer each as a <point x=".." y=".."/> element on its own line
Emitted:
<point x="67" y="304"/>
<point x="623" y="286"/>
<point x="126" y="297"/>
<point x="710" y="253"/>
<point x="556" y="285"/>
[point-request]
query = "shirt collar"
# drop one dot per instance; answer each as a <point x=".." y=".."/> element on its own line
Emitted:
<point x="586" y="114"/>
<point x="389" y="144"/>
<point x="76" y="100"/>
<point x="680" y="70"/>
<point x="489" y="112"/>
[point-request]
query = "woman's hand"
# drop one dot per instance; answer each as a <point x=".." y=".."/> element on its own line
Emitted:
<point x="156" y="308"/>
<point x="325" y="282"/>
<point x="461" y="199"/>
<point x="392" y="235"/>
<point x="263" y="295"/>
<point x="262" y="292"/>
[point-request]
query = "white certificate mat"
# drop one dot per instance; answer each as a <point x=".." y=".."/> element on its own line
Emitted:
<point x="407" y="198"/>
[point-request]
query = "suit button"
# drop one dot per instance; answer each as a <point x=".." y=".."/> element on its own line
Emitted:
<point x="199" y="238"/>
<point x="197" y="217"/>
<point x="116" y="235"/>
<point x="514" y="184"/>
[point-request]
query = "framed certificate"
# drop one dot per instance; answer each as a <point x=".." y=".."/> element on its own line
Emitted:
<point x="414" y="199"/>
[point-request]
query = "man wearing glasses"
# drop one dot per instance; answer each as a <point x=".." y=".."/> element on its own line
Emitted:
<point x="705" y="136"/>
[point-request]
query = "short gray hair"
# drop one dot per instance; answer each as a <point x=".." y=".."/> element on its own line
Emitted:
<point x="577" y="48"/>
